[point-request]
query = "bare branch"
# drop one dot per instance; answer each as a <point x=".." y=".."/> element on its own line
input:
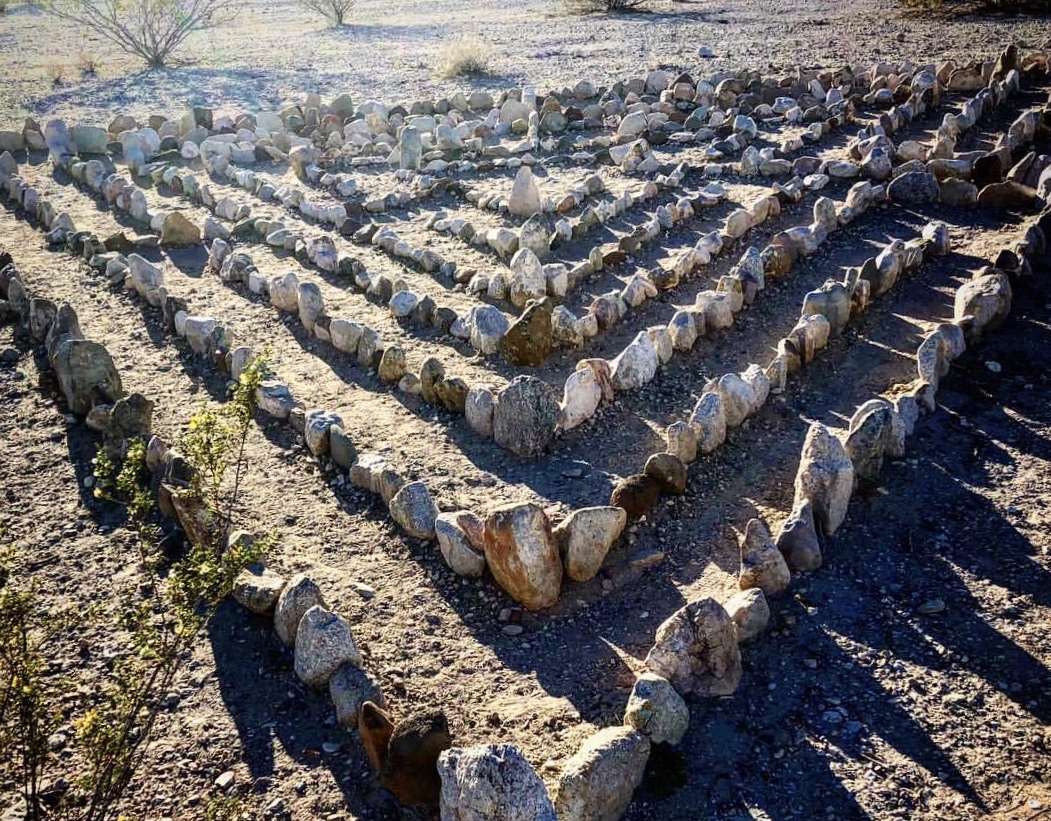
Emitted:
<point x="335" y="11"/>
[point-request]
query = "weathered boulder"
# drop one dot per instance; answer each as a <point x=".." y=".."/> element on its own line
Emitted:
<point x="257" y="589"/>
<point x="597" y="783"/>
<point x="696" y="650"/>
<point x="522" y="556"/>
<point x="178" y="230"/>
<point x="669" y="470"/>
<point x="798" y="541"/>
<point x="987" y="299"/>
<point x="525" y="194"/>
<point x="583" y="391"/>
<point x="529" y="339"/>
<point x="349" y="688"/>
<point x="636" y="365"/>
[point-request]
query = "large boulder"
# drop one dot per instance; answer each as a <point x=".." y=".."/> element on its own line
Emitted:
<point x="521" y="553"/>
<point x="986" y="298"/>
<point x="178" y="230"/>
<point x="529" y="339"/>
<point x="525" y="416"/>
<point x="636" y="365"/>
<point x="86" y="375"/>
<point x="597" y="783"/>
<point x="491" y="782"/>
<point x="696" y="650"/>
<point x="825" y="477"/>
<point x="585" y="538"/>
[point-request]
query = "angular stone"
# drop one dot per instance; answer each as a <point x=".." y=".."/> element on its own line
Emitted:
<point x="708" y="421"/>
<point x="349" y="688"/>
<point x="257" y="589"/>
<point x="461" y="539"/>
<point x="529" y="339"/>
<point x="987" y="299"/>
<point x="86" y="375"/>
<point x="825" y="477"/>
<point x="749" y="612"/>
<point x="479" y="408"/>
<point x="524" y="200"/>
<point x="798" y="540"/>
<point x="583" y="392"/>
<point x="762" y="564"/>
<point x="636" y="365"/>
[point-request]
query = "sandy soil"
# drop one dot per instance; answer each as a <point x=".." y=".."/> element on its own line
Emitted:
<point x="854" y="705"/>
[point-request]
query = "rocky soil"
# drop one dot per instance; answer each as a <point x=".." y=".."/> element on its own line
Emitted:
<point x="906" y="678"/>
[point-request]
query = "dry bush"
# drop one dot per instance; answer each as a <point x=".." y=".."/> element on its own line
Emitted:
<point x="463" y="58"/>
<point x="88" y="64"/>
<point x="150" y="29"/>
<point x="57" y="72"/>
<point x="946" y="8"/>
<point x="604" y="6"/>
<point x="332" y="10"/>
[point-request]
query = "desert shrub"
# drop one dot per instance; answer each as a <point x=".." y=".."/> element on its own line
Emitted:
<point x="56" y="71"/>
<point x="608" y="6"/>
<point x="158" y="620"/>
<point x="462" y="58"/>
<point x="954" y="7"/>
<point x="150" y="29"/>
<point x="335" y="11"/>
<point x="88" y="64"/>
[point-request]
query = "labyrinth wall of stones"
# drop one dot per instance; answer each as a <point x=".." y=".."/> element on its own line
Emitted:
<point x="517" y="266"/>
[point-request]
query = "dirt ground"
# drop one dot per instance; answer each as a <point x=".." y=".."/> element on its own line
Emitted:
<point x="858" y="703"/>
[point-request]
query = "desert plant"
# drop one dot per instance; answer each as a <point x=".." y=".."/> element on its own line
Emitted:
<point x="335" y="11"/>
<point x="27" y="696"/>
<point x="56" y="71"/>
<point x="462" y="58"/>
<point x="607" y="6"/>
<point x="88" y="64"/>
<point x="150" y="29"/>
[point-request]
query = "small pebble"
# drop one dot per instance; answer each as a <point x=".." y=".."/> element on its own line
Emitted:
<point x="994" y="367"/>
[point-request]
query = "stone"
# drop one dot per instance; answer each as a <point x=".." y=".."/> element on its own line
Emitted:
<point x="683" y="330"/>
<point x="310" y="304"/>
<point x="479" y="408"/>
<point x="452" y="394"/>
<point x="487" y="326"/>
<point x="708" y="421"/>
<point x="273" y="397"/>
<point x="535" y="235"/>
<point x="316" y="428"/>
<point x="636" y="365"/>
<point x="682" y="441"/>
<point x="914" y="188"/>
<point x="696" y="650"/>
<point x="324" y="643"/>
<point x="86" y="375"/>
<point x="129" y="419"/>
<point x="432" y="371"/>
<point x="461" y="539"/>
<point x="669" y="470"/>
<point x="349" y="688"/>
<point x="521" y="553"/>
<point x="637" y="494"/>
<point x="825" y="477"/>
<point x="598" y="781"/>
<point x="750" y="613"/>
<point x="393" y="365"/>
<point x="583" y="391"/>
<point x="738" y="398"/>
<point x="177" y="230"/>
<point x="524" y="200"/>
<point x="586" y="536"/>
<point x="492" y="782"/>
<point x="958" y="193"/>
<point x="529" y="339"/>
<point x="298" y="596"/>
<point x="798" y="540"/>
<point x="762" y="564"/>
<point x="413" y="509"/>
<point x="525" y="416"/>
<point x="987" y="299"/>
<point x="1007" y="196"/>
<point x="257" y="589"/>
<point x="656" y="710"/>
<point x="341" y="450"/>
<point x="527" y="281"/>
